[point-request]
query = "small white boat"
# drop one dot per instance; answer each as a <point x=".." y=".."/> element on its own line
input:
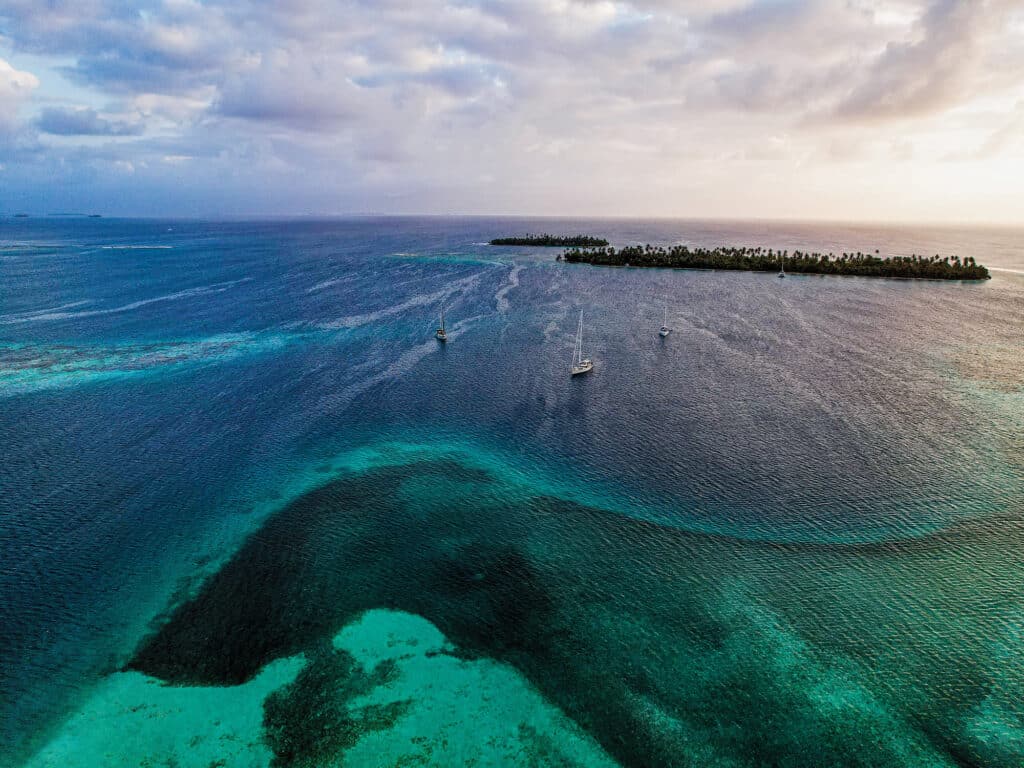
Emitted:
<point x="665" y="330"/>
<point x="440" y="333"/>
<point x="782" y="266"/>
<point x="580" y="364"/>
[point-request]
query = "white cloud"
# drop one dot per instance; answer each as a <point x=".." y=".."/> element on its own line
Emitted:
<point x="15" y="89"/>
<point x="666" y="105"/>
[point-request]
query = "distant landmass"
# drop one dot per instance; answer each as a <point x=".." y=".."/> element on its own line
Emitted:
<point x="558" y="241"/>
<point x="770" y="260"/>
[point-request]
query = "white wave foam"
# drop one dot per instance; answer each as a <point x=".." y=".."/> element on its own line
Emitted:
<point x="402" y="364"/>
<point x="58" y="315"/>
<point x="513" y="282"/>
<point x="450" y="258"/>
<point x="29" y="315"/>
<point x="328" y="283"/>
<point x="355" y="321"/>
<point x="136" y="247"/>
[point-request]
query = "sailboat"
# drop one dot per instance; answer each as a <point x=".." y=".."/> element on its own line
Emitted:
<point x="665" y="330"/>
<point x="441" y="335"/>
<point x="782" y="266"/>
<point x="580" y="364"/>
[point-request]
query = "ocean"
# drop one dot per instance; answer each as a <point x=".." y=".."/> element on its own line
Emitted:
<point x="252" y="513"/>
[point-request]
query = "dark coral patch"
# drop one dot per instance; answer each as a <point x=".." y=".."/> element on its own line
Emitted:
<point x="310" y="722"/>
<point x="617" y="621"/>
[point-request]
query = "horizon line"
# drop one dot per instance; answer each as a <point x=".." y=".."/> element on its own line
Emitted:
<point x="944" y="224"/>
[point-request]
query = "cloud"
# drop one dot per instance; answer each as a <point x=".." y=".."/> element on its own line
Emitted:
<point x="15" y="89"/>
<point x="936" y="70"/>
<point x="284" y="88"/>
<point x="532" y="99"/>
<point x="83" y="122"/>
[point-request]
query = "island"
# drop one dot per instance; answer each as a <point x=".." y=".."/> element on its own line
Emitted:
<point x="769" y="260"/>
<point x="556" y="241"/>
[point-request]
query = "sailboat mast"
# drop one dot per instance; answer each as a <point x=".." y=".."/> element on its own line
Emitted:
<point x="579" y="363"/>
<point x="577" y="352"/>
<point x="580" y="344"/>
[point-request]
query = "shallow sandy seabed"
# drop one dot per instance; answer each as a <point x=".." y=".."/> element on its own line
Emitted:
<point x="135" y="720"/>
<point x="454" y="712"/>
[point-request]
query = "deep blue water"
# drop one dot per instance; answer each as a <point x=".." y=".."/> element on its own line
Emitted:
<point x="166" y="387"/>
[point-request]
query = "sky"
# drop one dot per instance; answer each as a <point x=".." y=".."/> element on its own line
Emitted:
<point x="876" y="110"/>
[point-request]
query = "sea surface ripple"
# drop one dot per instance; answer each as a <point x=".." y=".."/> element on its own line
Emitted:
<point x="237" y="460"/>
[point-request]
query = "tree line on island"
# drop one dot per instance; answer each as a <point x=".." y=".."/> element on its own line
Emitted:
<point x="769" y="260"/>
<point x="558" y="241"/>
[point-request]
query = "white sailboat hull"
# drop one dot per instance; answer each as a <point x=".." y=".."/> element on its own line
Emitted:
<point x="584" y="366"/>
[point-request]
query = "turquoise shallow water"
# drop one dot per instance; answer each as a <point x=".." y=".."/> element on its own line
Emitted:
<point x="253" y="513"/>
